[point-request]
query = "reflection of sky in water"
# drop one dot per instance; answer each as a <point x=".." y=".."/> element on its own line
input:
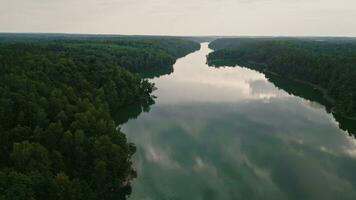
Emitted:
<point x="194" y="81"/>
<point x="228" y="133"/>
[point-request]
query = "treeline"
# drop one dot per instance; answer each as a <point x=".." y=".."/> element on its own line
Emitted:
<point x="327" y="63"/>
<point x="58" y="139"/>
<point x="137" y="54"/>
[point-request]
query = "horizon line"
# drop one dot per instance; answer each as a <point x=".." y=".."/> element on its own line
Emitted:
<point x="167" y="35"/>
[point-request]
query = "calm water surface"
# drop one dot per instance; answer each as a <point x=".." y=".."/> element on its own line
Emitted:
<point x="228" y="133"/>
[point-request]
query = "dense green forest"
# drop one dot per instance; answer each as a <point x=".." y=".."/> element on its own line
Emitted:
<point x="329" y="64"/>
<point x="58" y="95"/>
<point x="138" y="54"/>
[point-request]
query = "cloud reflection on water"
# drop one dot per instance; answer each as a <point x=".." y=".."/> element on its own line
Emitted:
<point x="213" y="135"/>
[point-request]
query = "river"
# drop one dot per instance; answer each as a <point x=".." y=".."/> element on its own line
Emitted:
<point x="229" y="133"/>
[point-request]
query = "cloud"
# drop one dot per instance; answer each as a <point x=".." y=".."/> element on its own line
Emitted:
<point x="181" y="17"/>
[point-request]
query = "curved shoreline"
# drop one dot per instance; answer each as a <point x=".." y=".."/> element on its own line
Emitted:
<point x="261" y="67"/>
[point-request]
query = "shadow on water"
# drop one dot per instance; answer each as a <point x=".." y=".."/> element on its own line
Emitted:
<point x="157" y="73"/>
<point x="295" y="88"/>
<point x="122" y="116"/>
<point x="132" y="111"/>
<point x="126" y="113"/>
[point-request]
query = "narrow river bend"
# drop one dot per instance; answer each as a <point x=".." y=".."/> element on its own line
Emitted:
<point x="228" y="133"/>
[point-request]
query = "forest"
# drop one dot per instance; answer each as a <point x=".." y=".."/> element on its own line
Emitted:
<point x="328" y="64"/>
<point x="58" y="95"/>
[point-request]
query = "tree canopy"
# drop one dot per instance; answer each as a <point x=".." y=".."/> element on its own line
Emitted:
<point x="327" y="63"/>
<point x="58" y="139"/>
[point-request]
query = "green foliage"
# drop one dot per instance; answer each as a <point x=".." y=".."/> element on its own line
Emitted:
<point x="327" y="63"/>
<point x="58" y="139"/>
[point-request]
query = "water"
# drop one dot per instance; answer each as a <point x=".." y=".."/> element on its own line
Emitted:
<point x="229" y="133"/>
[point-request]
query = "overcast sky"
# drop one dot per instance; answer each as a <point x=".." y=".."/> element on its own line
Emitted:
<point x="181" y="17"/>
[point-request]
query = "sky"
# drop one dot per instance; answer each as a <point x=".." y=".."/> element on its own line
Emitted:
<point x="181" y="17"/>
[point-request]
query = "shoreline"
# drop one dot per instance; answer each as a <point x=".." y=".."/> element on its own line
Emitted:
<point x="264" y="70"/>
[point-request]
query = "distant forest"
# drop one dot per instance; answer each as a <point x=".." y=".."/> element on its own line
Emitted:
<point x="328" y="64"/>
<point x="58" y="93"/>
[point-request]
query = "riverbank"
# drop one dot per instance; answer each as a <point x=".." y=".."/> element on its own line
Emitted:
<point x="214" y="132"/>
<point x="262" y="67"/>
<point x="345" y="122"/>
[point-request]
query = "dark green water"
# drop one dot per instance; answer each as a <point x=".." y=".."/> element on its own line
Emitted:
<point x="229" y="133"/>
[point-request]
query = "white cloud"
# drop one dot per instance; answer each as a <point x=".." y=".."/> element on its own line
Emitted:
<point x="181" y="17"/>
